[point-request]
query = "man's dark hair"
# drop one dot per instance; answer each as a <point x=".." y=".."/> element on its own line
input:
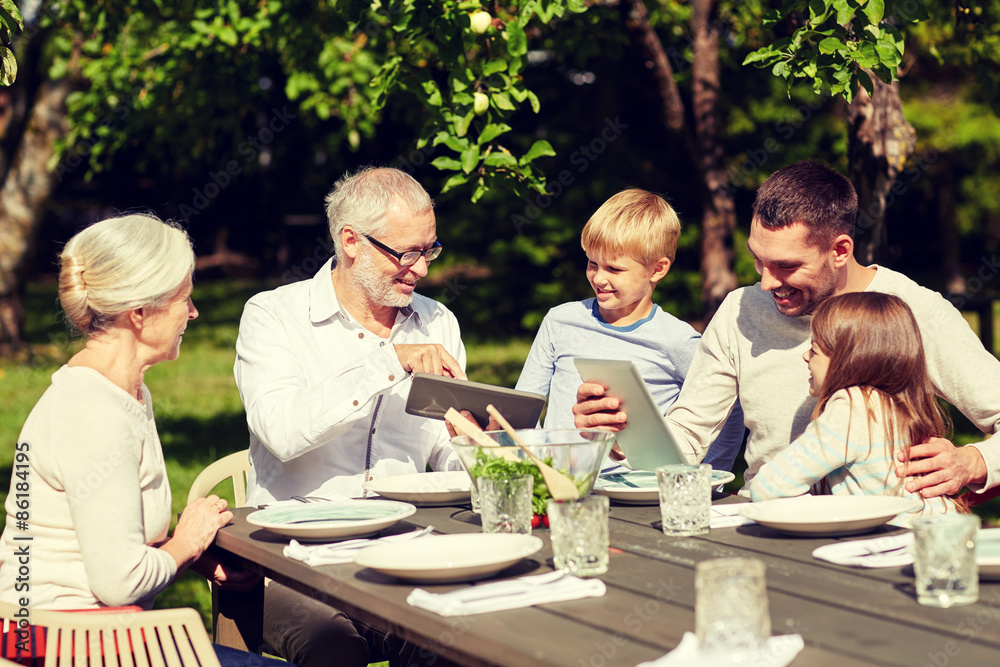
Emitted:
<point x="811" y="193"/>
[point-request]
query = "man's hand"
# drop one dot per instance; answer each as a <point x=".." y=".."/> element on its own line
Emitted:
<point x="225" y="576"/>
<point x="939" y="468"/>
<point x="595" y="410"/>
<point x="429" y="358"/>
<point x="491" y="426"/>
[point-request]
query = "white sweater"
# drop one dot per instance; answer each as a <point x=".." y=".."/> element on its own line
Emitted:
<point x="97" y="495"/>
<point x="752" y="352"/>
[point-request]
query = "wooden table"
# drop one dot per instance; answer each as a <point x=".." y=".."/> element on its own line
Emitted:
<point x="846" y="616"/>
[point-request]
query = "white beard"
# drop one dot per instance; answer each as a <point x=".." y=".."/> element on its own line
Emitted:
<point x="375" y="286"/>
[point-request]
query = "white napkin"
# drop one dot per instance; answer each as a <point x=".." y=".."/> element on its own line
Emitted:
<point x="777" y="652"/>
<point x="512" y="594"/>
<point x="727" y="516"/>
<point x="343" y="552"/>
<point x="885" y="551"/>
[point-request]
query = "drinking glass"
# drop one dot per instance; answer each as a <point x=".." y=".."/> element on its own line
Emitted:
<point x="685" y="498"/>
<point x="944" y="559"/>
<point x="731" y="610"/>
<point x="579" y="531"/>
<point x="506" y="504"/>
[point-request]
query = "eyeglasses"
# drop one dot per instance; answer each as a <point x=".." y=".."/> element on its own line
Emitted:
<point x="410" y="257"/>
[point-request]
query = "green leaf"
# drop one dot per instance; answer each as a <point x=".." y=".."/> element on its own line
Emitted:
<point x="831" y="45"/>
<point x="761" y="55"/>
<point x="888" y="54"/>
<point x="470" y="158"/>
<point x="492" y="131"/>
<point x="911" y="10"/>
<point x="780" y="69"/>
<point x="499" y="159"/>
<point x="454" y="182"/>
<point x="535" y="104"/>
<point x="502" y="101"/>
<point x="452" y="142"/>
<point x="865" y="81"/>
<point x="461" y="123"/>
<point x="517" y="41"/>
<point x="874" y="10"/>
<point x="430" y="88"/>
<point x="538" y="149"/>
<point x="228" y="36"/>
<point x="494" y="66"/>
<point x="481" y="189"/>
<point x="8" y="66"/>
<point x="844" y="11"/>
<point x="12" y="16"/>
<point x="445" y="163"/>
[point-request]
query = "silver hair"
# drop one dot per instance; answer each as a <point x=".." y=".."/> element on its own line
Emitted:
<point x="363" y="199"/>
<point x="121" y="264"/>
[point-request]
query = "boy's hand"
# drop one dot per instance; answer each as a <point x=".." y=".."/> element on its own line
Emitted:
<point x="595" y="410"/>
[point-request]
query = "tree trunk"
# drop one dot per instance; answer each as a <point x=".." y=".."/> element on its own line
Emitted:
<point x="879" y="142"/>
<point x="25" y="189"/>
<point x="719" y="213"/>
<point x="704" y="149"/>
<point x="944" y="178"/>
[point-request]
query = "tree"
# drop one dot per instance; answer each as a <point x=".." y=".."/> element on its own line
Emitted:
<point x="853" y="49"/>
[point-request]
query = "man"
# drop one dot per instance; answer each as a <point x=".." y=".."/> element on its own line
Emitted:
<point x="323" y="367"/>
<point x="801" y="239"/>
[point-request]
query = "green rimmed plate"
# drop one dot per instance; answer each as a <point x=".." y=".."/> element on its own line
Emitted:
<point x="335" y="519"/>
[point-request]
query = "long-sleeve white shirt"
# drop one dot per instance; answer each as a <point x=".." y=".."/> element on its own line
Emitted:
<point x="97" y="497"/>
<point x="325" y="397"/>
<point x="752" y="352"/>
<point x="845" y="445"/>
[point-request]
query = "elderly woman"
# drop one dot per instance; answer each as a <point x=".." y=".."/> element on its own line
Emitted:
<point x="98" y="500"/>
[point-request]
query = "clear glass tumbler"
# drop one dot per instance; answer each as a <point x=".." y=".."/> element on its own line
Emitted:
<point x="474" y="497"/>
<point x="579" y="532"/>
<point x="731" y="609"/>
<point x="505" y="504"/>
<point x="944" y="559"/>
<point x="685" y="498"/>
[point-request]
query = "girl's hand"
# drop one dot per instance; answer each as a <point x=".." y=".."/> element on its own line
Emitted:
<point x="225" y="576"/>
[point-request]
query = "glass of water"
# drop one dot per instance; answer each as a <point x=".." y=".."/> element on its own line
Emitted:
<point x="685" y="498"/>
<point x="944" y="559"/>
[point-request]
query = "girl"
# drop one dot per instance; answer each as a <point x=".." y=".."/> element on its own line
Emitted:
<point x="867" y="370"/>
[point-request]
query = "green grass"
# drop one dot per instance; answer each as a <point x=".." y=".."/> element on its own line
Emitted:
<point x="198" y="410"/>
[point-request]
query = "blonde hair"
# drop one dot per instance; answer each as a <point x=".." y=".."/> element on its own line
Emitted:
<point x="635" y="223"/>
<point x="363" y="200"/>
<point x="120" y="264"/>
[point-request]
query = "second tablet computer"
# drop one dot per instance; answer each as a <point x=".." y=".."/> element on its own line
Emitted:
<point x="432" y="395"/>
<point x="646" y="441"/>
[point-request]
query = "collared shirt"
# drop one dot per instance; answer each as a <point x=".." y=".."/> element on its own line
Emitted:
<point x="325" y="397"/>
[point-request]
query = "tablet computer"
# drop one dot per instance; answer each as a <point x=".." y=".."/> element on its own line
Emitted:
<point x="432" y="395"/>
<point x="646" y="441"/>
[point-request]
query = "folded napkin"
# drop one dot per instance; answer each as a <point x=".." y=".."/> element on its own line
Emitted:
<point x="343" y="552"/>
<point x="727" y="516"/>
<point x="777" y="652"/>
<point x="885" y="551"/>
<point x="512" y="594"/>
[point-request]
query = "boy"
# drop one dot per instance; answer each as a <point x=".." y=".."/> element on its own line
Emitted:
<point x="630" y="243"/>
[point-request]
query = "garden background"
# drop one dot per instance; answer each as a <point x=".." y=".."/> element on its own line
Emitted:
<point x="236" y="117"/>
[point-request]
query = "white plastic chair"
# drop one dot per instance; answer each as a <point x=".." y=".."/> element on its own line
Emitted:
<point x="158" y="638"/>
<point x="235" y="466"/>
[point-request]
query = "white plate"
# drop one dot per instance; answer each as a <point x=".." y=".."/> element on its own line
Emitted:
<point x="988" y="553"/>
<point x="639" y="487"/>
<point x="448" y="558"/>
<point x="828" y="515"/>
<point x="426" y="488"/>
<point x="331" y="520"/>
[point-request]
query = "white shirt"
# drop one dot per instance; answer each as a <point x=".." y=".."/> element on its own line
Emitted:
<point x="751" y="351"/>
<point x="325" y="397"/>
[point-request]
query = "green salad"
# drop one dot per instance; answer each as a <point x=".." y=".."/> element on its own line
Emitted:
<point x="488" y="465"/>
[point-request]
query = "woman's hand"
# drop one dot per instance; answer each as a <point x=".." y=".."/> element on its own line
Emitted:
<point x="196" y="529"/>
